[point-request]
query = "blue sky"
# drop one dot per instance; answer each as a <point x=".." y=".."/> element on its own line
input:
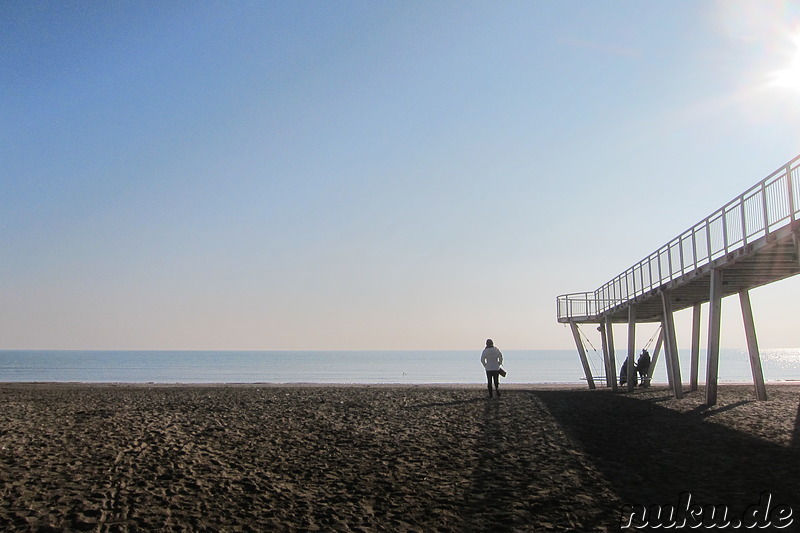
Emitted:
<point x="369" y="175"/>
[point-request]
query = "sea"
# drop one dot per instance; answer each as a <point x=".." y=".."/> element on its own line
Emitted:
<point x="351" y="367"/>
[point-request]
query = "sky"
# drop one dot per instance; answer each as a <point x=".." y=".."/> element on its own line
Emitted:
<point x="357" y="175"/>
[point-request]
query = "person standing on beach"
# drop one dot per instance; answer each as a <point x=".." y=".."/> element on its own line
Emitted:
<point x="491" y="358"/>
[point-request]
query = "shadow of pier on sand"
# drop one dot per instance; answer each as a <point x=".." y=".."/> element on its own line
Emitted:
<point x="651" y="454"/>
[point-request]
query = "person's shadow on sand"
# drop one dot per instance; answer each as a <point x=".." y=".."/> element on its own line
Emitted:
<point x="452" y="403"/>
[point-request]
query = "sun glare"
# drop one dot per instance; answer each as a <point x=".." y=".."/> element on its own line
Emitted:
<point x="789" y="77"/>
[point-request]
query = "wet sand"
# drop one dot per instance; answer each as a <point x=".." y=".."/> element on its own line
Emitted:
<point x="381" y="458"/>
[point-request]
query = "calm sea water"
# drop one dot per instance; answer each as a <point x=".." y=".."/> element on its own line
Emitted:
<point x="412" y="367"/>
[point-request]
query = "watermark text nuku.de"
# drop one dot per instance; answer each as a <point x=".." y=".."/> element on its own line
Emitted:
<point x="688" y="513"/>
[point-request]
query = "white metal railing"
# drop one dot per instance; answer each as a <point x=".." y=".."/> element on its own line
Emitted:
<point x="765" y="207"/>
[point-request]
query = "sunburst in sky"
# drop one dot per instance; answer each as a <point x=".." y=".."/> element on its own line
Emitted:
<point x="789" y="76"/>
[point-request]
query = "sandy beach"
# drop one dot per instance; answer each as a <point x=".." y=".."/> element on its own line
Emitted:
<point x="382" y="458"/>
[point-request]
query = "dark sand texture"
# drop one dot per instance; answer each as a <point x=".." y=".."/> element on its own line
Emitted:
<point x="267" y="458"/>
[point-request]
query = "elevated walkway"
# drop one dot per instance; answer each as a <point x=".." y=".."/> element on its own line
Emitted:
<point x="751" y="241"/>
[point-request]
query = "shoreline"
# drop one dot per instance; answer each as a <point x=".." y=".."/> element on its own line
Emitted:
<point x="312" y="385"/>
<point x="309" y="384"/>
<point x="510" y="386"/>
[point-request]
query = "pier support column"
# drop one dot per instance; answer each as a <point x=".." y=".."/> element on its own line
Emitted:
<point x="612" y="359"/>
<point x="606" y="359"/>
<point x="582" y="352"/>
<point x="656" y="351"/>
<point x="695" y="361"/>
<point x="714" y="311"/>
<point x="752" y="345"/>
<point x="671" y="341"/>
<point x="667" y="361"/>
<point x="631" y="346"/>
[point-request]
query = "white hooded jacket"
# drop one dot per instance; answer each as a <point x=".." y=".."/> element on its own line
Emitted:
<point x="491" y="358"/>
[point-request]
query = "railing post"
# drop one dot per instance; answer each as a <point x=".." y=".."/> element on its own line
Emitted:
<point x="790" y="190"/>
<point x="602" y="299"/>
<point x="744" y="221"/>
<point x="617" y="290"/>
<point x="669" y="260"/>
<point x="765" y="208"/>
<point x="630" y="282"/>
<point x="613" y="294"/>
<point x="625" y="290"/>
<point x="641" y="278"/>
<point x="725" y="230"/>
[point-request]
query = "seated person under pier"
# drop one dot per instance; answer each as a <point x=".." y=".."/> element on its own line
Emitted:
<point x="643" y="367"/>
<point x="623" y="374"/>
